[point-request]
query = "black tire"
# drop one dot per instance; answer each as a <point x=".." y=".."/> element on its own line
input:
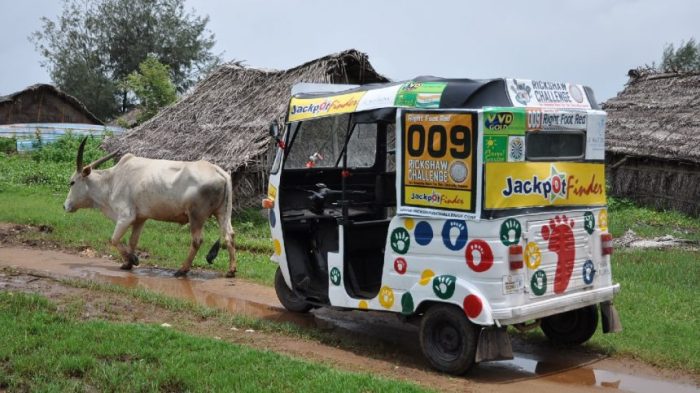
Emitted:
<point x="289" y="299"/>
<point x="448" y="339"/>
<point x="572" y="327"/>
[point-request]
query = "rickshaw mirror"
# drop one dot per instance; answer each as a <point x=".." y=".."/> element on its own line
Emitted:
<point x="274" y="130"/>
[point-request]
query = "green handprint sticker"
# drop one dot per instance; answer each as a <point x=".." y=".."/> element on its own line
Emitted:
<point x="400" y="240"/>
<point x="589" y="222"/>
<point x="335" y="276"/>
<point x="510" y="232"/>
<point x="444" y="286"/>
<point x="538" y="283"/>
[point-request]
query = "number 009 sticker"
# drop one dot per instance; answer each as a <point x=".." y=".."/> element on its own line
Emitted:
<point x="438" y="160"/>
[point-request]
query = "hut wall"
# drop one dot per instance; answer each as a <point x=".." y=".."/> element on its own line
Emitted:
<point x="659" y="184"/>
<point x="40" y="106"/>
<point x="250" y="182"/>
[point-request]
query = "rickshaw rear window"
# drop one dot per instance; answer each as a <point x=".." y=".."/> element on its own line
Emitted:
<point x="552" y="145"/>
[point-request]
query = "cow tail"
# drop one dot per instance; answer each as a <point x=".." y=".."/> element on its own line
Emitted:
<point x="213" y="251"/>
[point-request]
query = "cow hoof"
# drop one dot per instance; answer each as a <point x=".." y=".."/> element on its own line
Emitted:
<point x="133" y="259"/>
<point x="126" y="266"/>
<point x="231" y="274"/>
<point x="181" y="273"/>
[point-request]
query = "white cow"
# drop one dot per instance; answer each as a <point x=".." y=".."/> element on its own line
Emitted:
<point x="138" y="189"/>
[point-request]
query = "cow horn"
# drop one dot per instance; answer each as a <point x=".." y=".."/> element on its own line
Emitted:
<point x="102" y="160"/>
<point x="79" y="161"/>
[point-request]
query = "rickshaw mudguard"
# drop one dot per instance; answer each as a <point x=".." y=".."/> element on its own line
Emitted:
<point x="450" y="289"/>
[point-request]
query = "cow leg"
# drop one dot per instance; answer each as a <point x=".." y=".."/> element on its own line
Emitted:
<point x="229" y="236"/>
<point x="116" y="241"/>
<point x="196" y="231"/>
<point x="136" y="229"/>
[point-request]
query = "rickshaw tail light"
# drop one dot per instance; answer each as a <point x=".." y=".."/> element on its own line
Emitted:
<point x="606" y="244"/>
<point x="515" y="257"/>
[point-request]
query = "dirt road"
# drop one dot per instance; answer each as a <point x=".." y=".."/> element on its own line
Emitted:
<point x="366" y="341"/>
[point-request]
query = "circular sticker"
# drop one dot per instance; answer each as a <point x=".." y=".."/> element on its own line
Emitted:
<point x="408" y="223"/>
<point x="510" y="232"/>
<point x="576" y="93"/>
<point x="386" y="297"/>
<point x="603" y="220"/>
<point x="400" y="265"/>
<point x="272" y="218"/>
<point x="479" y="255"/>
<point x="335" y="276"/>
<point x="277" y="246"/>
<point x="538" y="283"/>
<point x="426" y="276"/>
<point x="458" y="172"/>
<point x="588" y="272"/>
<point x="423" y="233"/>
<point x="454" y="234"/>
<point x="444" y="286"/>
<point x="533" y="256"/>
<point x="362" y="305"/>
<point x="589" y="222"/>
<point x="400" y="240"/>
<point x="472" y="306"/>
<point x="407" y="305"/>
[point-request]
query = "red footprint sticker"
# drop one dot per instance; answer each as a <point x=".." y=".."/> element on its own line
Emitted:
<point x="561" y="242"/>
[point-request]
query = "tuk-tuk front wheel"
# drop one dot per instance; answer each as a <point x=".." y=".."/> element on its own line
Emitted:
<point x="572" y="327"/>
<point x="448" y="339"/>
<point x="289" y="299"/>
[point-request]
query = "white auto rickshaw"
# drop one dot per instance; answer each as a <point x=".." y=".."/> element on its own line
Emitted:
<point x="468" y="204"/>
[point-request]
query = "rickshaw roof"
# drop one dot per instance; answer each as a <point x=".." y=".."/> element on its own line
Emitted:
<point x="428" y="92"/>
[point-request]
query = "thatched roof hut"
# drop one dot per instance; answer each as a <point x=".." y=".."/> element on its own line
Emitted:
<point x="225" y="118"/>
<point x="653" y="140"/>
<point x="43" y="103"/>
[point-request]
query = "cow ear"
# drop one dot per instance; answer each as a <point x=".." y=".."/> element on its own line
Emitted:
<point x="86" y="171"/>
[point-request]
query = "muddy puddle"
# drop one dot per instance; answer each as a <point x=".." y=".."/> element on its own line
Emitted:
<point x="199" y="287"/>
<point x="380" y="335"/>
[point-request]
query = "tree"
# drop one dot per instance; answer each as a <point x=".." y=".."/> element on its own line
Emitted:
<point x="684" y="59"/>
<point x="95" y="45"/>
<point x="152" y="86"/>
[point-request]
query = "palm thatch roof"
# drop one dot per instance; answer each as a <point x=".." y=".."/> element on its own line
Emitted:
<point x="225" y="118"/>
<point x="51" y="89"/>
<point x="656" y="115"/>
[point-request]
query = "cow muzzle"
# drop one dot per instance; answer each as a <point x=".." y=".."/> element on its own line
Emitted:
<point x="69" y="208"/>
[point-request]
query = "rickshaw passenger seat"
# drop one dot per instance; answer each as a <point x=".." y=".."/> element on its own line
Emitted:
<point x="385" y="186"/>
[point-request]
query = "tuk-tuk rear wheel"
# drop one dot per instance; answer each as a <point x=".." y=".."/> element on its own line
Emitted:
<point x="289" y="299"/>
<point x="448" y="339"/>
<point x="572" y="327"/>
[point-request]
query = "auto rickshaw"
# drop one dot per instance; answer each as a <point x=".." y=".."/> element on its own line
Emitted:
<point x="464" y="205"/>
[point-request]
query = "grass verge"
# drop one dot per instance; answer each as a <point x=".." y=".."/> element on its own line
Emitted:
<point x="51" y="352"/>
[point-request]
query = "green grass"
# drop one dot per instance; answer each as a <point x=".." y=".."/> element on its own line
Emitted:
<point x="49" y="351"/>
<point x="658" y="305"/>
<point x="649" y="223"/>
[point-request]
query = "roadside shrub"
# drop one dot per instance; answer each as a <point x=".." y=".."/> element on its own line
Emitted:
<point x="8" y="145"/>
<point x="20" y="170"/>
<point x="65" y="149"/>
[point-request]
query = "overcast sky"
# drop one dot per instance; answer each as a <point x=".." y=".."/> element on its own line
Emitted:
<point x="592" y="42"/>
